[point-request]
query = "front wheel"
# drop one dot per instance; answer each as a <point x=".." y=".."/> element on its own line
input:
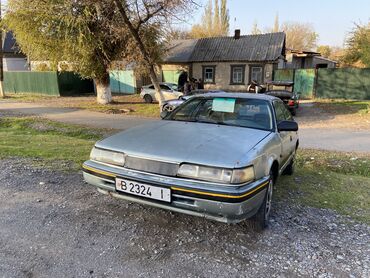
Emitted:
<point x="260" y="220"/>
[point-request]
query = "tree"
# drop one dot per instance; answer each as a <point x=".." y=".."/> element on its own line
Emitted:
<point x="357" y="51"/>
<point x="177" y="34"/>
<point x="2" y="95"/>
<point x="225" y="18"/>
<point x="276" y="24"/>
<point x="324" y="50"/>
<point x="92" y="34"/>
<point x="255" y="30"/>
<point x="301" y="36"/>
<point x="215" y="21"/>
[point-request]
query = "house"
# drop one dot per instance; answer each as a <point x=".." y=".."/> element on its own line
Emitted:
<point x="299" y="59"/>
<point x="13" y="59"/>
<point x="226" y="63"/>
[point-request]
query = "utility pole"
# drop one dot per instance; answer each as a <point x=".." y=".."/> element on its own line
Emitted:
<point x="2" y="95"/>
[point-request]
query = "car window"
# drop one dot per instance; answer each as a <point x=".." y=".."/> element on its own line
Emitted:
<point x="174" y="87"/>
<point x="165" y="87"/>
<point x="282" y="113"/>
<point x="151" y="87"/>
<point x="242" y="112"/>
<point x="185" y="112"/>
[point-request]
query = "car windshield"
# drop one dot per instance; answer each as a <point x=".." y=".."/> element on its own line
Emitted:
<point x="241" y="112"/>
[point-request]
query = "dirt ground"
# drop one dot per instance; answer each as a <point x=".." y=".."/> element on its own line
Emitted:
<point x="326" y="115"/>
<point x="311" y="114"/>
<point x="54" y="225"/>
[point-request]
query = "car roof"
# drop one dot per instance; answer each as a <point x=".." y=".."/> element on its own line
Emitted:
<point x="162" y="83"/>
<point x="239" y="95"/>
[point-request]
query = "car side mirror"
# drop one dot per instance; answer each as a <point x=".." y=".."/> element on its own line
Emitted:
<point x="164" y="114"/>
<point x="287" y="126"/>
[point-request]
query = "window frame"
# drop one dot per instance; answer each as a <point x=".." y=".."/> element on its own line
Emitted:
<point x="213" y="67"/>
<point x="232" y="67"/>
<point x="262" y="72"/>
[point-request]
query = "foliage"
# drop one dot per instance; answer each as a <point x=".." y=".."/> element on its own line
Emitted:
<point x="357" y="52"/>
<point x="78" y="32"/>
<point x="300" y="36"/>
<point x="255" y="30"/>
<point x="276" y="24"/>
<point x="91" y="34"/>
<point x="324" y="50"/>
<point x="334" y="180"/>
<point x="225" y="18"/>
<point x="215" y="21"/>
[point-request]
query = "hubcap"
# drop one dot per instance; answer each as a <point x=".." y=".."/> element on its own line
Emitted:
<point x="168" y="108"/>
<point x="268" y="199"/>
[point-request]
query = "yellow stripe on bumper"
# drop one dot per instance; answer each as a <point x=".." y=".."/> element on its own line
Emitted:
<point x="99" y="171"/>
<point x="109" y="174"/>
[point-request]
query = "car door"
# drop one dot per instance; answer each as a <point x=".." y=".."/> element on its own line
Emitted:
<point x="286" y="137"/>
<point x="167" y="92"/>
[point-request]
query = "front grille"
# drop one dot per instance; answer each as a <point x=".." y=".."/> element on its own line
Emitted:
<point x="151" y="166"/>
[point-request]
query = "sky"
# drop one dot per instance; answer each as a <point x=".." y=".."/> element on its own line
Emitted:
<point x="331" y="19"/>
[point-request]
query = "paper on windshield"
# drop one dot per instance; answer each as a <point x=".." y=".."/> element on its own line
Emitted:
<point x="223" y="105"/>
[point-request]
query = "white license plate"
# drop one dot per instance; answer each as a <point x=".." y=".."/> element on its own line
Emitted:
<point x="143" y="190"/>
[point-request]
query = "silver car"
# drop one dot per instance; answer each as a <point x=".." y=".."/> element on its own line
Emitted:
<point x="216" y="156"/>
<point x="169" y="91"/>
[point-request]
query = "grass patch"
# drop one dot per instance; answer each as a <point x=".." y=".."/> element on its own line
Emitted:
<point x="51" y="141"/>
<point x="338" y="181"/>
<point x="131" y="105"/>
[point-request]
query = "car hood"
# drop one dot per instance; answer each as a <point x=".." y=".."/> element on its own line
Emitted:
<point x="175" y="141"/>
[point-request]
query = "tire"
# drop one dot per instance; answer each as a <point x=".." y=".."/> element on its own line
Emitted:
<point x="289" y="169"/>
<point x="293" y="111"/>
<point x="148" y="98"/>
<point x="260" y="220"/>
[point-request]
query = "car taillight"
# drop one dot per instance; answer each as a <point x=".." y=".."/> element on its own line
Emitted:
<point x="291" y="103"/>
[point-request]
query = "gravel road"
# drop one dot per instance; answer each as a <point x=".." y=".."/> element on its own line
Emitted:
<point x="54" y="225"/>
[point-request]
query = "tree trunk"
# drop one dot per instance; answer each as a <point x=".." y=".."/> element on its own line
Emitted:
<point x="103" y="92"/>
<point x="154" y="79"/>
<point x="135" y="34"/>
<point x="2" y="94"/>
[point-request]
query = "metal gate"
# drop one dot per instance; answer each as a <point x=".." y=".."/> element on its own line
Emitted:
<point x="123" y="81"/>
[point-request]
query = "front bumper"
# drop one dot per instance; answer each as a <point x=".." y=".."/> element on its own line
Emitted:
<point x="229" y="204"/>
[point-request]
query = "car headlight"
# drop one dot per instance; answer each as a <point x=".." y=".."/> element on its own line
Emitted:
<point x="243" y="175"/>
<point x="216" y="174"/>
<point x="109" y="157"/>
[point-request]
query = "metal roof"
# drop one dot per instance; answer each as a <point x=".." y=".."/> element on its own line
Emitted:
<point x="179" y="51"/>
<point x="9" y="44"/>
<point x="250" y="48"/>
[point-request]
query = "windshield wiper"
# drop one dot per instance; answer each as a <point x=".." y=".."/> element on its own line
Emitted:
<point x="211" y="122"/>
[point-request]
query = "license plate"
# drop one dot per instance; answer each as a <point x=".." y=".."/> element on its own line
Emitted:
<point x="143" y="190"/>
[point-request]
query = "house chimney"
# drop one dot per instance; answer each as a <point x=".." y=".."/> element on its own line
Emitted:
<point x="237" y="34"/>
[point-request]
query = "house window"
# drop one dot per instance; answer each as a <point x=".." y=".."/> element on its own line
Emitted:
<point x="237" y="74"/>
<point x="209" y="73"/>
<point x="256" y="74"/>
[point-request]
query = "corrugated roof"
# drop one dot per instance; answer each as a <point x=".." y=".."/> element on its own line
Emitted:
<point x="9" y="43"/>
<point x="180" y="51"/>
<point x="250" y="48"/>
